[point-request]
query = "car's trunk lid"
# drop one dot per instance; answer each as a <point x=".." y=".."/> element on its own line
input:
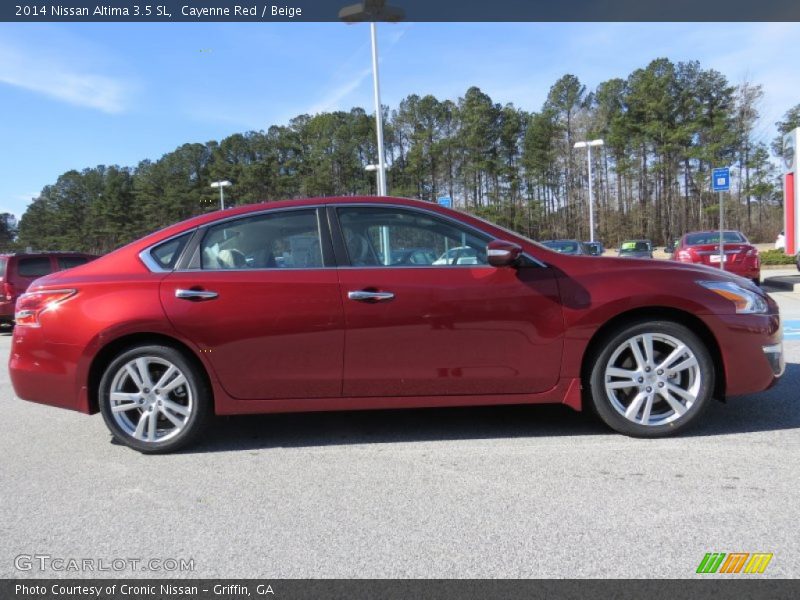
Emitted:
<point x="709" y="253"/>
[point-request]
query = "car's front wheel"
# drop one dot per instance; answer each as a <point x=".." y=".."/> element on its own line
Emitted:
<point x="651" y="378"/>
<point x="153" y="399"/>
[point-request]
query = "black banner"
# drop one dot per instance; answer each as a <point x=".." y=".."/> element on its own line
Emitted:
<point x="392" y="10"/>
<point x="739" y="588"/>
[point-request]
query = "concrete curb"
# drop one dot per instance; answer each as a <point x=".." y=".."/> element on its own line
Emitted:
<point x="785" y="283"/>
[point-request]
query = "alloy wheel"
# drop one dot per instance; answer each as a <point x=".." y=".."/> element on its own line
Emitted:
<point x="150" y="399"/>
<point x="652" y="379"/>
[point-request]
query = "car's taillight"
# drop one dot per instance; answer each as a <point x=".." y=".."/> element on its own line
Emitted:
<point x="752" y="252"/>
<point x="684" y="256"/>
<point x="8" y="291"/>
<point x="32" y="304"/>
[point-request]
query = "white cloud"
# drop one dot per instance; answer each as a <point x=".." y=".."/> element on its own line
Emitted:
<point x="388" y="38"/>
<point x="333" y="99"/>
<point x="52" y="76"/>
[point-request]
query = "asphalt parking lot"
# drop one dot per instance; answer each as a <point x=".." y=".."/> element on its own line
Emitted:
<point x="501" y="492"/>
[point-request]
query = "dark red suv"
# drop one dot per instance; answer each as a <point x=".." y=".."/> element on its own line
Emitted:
<point x="301" y="306"/>
<point x="18" y="271"/>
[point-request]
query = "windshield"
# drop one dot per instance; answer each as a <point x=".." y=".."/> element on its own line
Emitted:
<point x="712" y="237"/>
<point x="565" y="247"/>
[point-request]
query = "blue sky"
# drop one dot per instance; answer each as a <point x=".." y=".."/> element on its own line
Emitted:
<point x="77" y="95"/>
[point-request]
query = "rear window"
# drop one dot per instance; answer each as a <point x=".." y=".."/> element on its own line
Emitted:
<point x="67" y="262"/>
<point x="34" y="267"/>
<point x="3" y="263"/>
<point x="698" y="239"/>
<point x="166" y="254"/>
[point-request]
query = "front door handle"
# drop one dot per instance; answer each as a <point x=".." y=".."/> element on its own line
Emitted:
<point x="195" y="294"/>
<point x="366" y="296"/>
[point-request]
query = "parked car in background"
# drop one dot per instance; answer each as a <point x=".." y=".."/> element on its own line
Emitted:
<point x="567" y="246"/>
<point x="460" y="255"/>
<point x="197" y="319"/>
<point x="18" y="270"/>
<point x="670" y="246"/>
<point x="702" y="247"/>
<point x="636" y="249"/>
<point x="413" y="256"/>
<point x="595" y="248"/>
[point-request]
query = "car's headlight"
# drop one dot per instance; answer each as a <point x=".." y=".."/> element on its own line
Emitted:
<point x="746" y="301"/>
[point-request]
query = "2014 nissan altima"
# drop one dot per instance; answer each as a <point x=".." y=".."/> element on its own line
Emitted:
<point x="308" y="305"/>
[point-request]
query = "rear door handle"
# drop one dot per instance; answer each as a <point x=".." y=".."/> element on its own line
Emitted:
<point x="195" y="294"/>
<point x="365" y="296"/>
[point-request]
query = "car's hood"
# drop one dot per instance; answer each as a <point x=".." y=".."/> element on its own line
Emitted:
<point x="615" y="264"/>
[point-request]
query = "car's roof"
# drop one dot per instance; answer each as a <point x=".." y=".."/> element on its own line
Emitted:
<point x="712" y="231"/>
<point x="210" y="217"/>
<point x="324" y="200"/>
<point x="45" y="253"/>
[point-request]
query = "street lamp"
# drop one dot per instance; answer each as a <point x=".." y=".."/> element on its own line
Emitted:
<point x="374" y="10"/>
<point x="374" y="168"/>
<point x="221" y="185"/>
<point x="588" y="146"/>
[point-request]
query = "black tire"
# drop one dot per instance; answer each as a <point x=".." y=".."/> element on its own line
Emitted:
<point x="703" y="379"/>
<point x="196" y="395"/>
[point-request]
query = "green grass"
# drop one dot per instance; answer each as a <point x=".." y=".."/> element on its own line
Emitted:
<point x="776" y="257"/>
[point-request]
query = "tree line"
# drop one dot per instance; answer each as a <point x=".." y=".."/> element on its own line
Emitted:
<point x="665" y="127"/>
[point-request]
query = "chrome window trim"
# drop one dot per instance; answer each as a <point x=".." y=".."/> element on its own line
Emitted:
<point x="153" y="266"/>
<point x="254" y="270"/>
<point x="151" y="263"/>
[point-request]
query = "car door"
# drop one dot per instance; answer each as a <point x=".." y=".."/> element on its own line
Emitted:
<point x="451" y="327"/>
<point x="261" y="300"/>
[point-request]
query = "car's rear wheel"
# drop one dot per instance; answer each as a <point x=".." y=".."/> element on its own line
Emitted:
<point x="153" y="399"/>
<point x="651" y="379"/>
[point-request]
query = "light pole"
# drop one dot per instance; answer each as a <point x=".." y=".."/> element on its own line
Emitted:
<point x="588" y="146"/>
<point x="372" y="11"/>
<point x="376" y="88"/>
<point x="221" y="185"/>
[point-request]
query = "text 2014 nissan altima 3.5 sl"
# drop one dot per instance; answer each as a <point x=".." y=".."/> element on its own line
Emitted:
<point x="320" y="304"/>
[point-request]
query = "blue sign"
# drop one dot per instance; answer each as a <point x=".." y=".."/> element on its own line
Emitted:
<point x="721" y="179"/>
<point x="445" y="201"/>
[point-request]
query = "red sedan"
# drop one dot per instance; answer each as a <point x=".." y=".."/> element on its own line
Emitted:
<point x="301" y="306"/>
<point x="702" y="247"/>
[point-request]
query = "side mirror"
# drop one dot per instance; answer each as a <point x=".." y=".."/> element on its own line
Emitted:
<point x="502" y="253"/>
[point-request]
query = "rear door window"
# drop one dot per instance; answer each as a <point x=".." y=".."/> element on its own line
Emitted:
<point x="67" y="262"/>
<point x="281" y="240"/>
<point x="34" y="266"/>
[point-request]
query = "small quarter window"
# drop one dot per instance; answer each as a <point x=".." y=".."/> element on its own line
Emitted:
<point x="167" y="253"/>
